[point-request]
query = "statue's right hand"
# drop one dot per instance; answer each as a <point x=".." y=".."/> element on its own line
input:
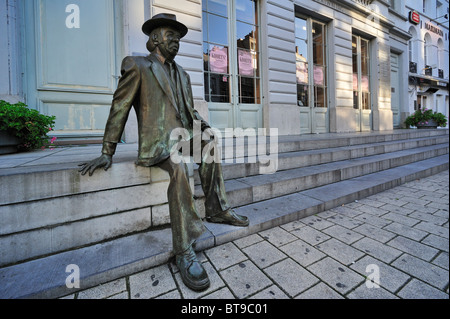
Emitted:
<point x="103" y="161"/>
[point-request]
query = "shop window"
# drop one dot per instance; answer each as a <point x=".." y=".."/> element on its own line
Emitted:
<point x="311" y="63"/>
<point x="361" y="73"/>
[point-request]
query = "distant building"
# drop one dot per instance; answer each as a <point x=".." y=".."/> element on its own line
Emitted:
<point x="300" y="66"/>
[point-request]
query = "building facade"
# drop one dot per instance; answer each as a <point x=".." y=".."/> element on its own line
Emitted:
<point x="300" y="66"/>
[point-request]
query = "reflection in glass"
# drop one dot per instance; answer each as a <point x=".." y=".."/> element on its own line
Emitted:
<point x="219" y="88"/>
<point x="246" y="11"/>
<point x="216" y="6"/>
<point x="302" y="95"/>
<point x="217" y="29"/>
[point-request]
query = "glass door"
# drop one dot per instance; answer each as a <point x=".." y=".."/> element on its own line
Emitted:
<point x="311" y="64"/>
<point x="361" y="83"/>
<point x="231" y="63"/>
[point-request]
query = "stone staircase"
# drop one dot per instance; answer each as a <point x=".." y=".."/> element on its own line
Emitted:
<point x="116" y="223"/>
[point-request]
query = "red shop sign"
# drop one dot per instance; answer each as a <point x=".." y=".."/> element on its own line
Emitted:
<point x="414" y="17"/>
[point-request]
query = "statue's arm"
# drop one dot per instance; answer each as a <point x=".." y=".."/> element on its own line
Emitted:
<point x="123" y="99"/>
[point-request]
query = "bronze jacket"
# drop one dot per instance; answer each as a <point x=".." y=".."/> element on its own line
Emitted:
<point x="146" y="86"/>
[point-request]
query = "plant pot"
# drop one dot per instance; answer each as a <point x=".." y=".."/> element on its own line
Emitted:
<point x="8" y="143"/>
<point x="431" y="125"/>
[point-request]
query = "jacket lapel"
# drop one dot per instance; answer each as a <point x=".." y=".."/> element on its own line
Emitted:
<point x="161" y="76"/>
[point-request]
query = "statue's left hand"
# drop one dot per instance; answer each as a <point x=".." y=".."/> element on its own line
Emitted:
<point x="103" y="161"/>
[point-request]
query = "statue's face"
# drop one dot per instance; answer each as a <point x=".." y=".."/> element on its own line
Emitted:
<point x="169" y="42"/>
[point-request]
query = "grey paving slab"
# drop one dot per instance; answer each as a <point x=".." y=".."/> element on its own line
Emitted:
<point x="345" y="221"/>
<point x="291" y="277"/>
<point x="434" y="229"/>
<point x="442" y="260"/>
<point x="396" y="208"/>
<point x="336" y="275"/>
<point x="375" y="211"/>
<point x="374" y="233"/>
<point x="373" y="220"/>
<point x="427" y="272"/>
<point x="377" y="249"/>
<point x="316" y="222"/>
<point x="343" y="234"/>
<point x="429" y="217"/>
<point x="320" y="291"/>
<point x="248" y="241"/>
<point x="406" y="231"/>
<point x="225" y="255"/>
<point x="401" y="219"/>
<point x="310" y="235"/>
<point x="272" y="292"/>
<point x="344" y="210"/>
<point x="151" y="283"/>
<point x="245" y="279"/>
<point x="390" y="278"/>
<point x="223" y="293"/>
<point x="264" y="254"/>
<point x="296" y="224"/>
<point x="341" y="252"/>
<point x="106" y="290"/>
<point x="413" y="248"/>
<point x="417" y="289"/>
<point x="363" y="292"/>
<point x="302" y="252"/>
<point x="277" y="236"/>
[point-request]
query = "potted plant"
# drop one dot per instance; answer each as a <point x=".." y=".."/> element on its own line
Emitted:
<point x="426" y="118"/>
<point x="22" y="128"/>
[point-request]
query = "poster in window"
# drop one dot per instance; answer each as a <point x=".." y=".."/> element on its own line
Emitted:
<point x="245" y="63"/>
<point x="365" y="83"/>
<point x="218" y="59"/>
<point x="318" y="75"/>
<point x="355" y="82"/>
<point x="302" y="73"/>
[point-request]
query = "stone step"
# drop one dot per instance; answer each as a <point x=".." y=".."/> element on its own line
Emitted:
<point x="107" y="261"/>
<point x="251" y="189"/>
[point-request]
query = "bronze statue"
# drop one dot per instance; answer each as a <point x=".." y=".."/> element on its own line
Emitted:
<point x="161" y="94"/>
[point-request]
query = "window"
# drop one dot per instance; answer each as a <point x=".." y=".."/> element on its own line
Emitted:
<point x="311" y="63"/>
<point x="361" y="73"/>
<point x="424" y="6"/>
<point x="231" y="50"/>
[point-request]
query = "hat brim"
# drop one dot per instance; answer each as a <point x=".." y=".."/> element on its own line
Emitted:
<point x="152" y="24"/>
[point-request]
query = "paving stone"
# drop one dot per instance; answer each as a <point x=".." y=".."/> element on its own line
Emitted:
<point x="390" y="278"/>
<point x="151" y="283"/>
<point x="375" y="211"/>
<point x="214" y="278"/>
<point x="413" y="248"/>
<point x="442" y="260"/>
<point x="245" y="279"/>
<point x="370" y="201"/>
<point x="345" y="221"/>
<point x="417" y="289"/>
<point x="442" y="213"/>
<point x="437" y="242"/>
<point x="316" y="222"/>
<point x="376" y="249"/>
<point x="422" y="270"/>
<point x="296" y="224"/>
<point x="225" y="255"/>
<point x="429" y="218"/>
<point x="347" y="211"/>
<point x="406" y="231"/>
<point x="421" y="208"/>
<point x="222" y="294"/>
<point x="272" y="292"/>
<point x="310" y="235"/>
<point x="264" y="254"/>
<point x="416" y="200"/>
<point x="363" y="292"/>
<point x="373" y="220"/>
<point x="391" y="201"/>
<point x="248" y="241"/>
<point x="343" y="234"/>
<point x="277" y="236"/>
<point x="340" y="251"/>
<point x="104" y="291"/>
<point x="175" y="294"/>
<point x="320" y="291"/>
<point x="326" y="214"/>
<point x="336" y="275"/>
<point x="302" y="252"/>
<point x="401" y="219"/>
<point x="374" y="233"/>
<point x="397" y="209"/>
<point x="291" y="277"/>
<point x="440" y="206"/>
<point x="434" y="229"/>
<point x="121" y="296"/>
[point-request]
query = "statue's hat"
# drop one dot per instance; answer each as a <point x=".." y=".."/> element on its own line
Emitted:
<point x="164" y="20"/>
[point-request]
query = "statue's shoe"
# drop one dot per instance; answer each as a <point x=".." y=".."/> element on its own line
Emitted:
<point x="192" y="272"/>
<point x="229" y="217"/>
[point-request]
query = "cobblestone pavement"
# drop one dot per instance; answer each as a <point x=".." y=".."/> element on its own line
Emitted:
<point x="394" y="244"/>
